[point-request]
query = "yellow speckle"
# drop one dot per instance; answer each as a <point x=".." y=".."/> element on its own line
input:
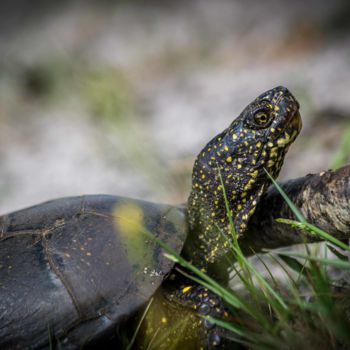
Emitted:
<point x="273" y="129"/>
<point x="270" y="144"/>
<point x="244" y="194"/>
<point x="248" y="186"/>
<point x="254" y="174"/>
<point x="270" y="163"/>
<point x="239" y="166"/>
<point x="258" y="145"/>
<point x="234" y="136"/>
<point x="203" y="176"/>
<point x="164" y="320"/>
<point x="277" y="108"/>
<point x="226" y="148"/>
<point x="283" y="141"/>
<point x="239" y="206"/>
<point x="229" y="159"/>
<point x="273" y="152"/>
<point x="186" y="289"/>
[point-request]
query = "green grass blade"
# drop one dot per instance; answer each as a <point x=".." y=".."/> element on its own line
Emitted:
<point x="315" y="231"/>
<point x="231" y="299"/>
<point x="291" y="205"/>
<point x="327" y="236"/>
<point x="339" y="255"/>
<point x="228" y="213"/>
<point x="266" y="268"/>
<point x="264" y="284"/>
<point x="132" y="341"/>
<point x="50" y="337"/>
<point x="229" y="326"/>
<point x="294" y="264"/>
<point x="332" y="262"/>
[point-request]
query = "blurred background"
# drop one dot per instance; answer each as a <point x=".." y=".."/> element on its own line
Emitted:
<point x="118" y="97"/>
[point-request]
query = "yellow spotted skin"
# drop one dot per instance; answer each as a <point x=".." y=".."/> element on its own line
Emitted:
<point x="259" y="138"/>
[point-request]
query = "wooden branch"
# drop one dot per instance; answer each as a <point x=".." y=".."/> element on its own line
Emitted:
<point x="324" y="200"/>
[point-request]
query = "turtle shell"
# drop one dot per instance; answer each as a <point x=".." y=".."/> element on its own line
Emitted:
<point x="77" y="267"/>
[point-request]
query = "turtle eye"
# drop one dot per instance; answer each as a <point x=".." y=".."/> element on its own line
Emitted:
<point x="262" y="118"/>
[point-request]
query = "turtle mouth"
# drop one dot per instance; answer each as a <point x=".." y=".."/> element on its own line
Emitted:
<point x="295" y="121"/>
<point x="292" y="126"/>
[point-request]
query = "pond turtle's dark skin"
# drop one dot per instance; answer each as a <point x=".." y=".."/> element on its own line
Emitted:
<point x="76" y="269"/>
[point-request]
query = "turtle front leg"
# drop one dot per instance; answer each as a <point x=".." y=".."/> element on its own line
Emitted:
<point x="177" y="319"/>
<point x="201" y="302"/>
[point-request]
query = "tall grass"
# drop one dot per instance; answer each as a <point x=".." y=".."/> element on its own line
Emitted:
<point x="305" y="312"/>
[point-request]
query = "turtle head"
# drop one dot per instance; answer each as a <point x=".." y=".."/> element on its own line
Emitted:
<point x="257" y="140"/>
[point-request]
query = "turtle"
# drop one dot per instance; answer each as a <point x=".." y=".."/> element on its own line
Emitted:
<point x="76" y="272"/>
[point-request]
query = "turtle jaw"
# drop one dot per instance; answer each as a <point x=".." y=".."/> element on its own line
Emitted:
<point x="296" y="122"/>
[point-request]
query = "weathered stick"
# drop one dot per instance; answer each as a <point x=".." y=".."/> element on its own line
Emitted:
<point x="324" y="200"/>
